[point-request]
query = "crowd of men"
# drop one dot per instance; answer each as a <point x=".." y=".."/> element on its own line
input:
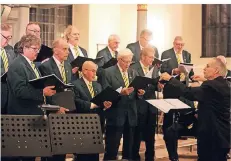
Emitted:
<point x="131" y="117"/>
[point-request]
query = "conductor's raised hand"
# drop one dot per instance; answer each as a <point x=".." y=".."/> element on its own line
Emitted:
<point x="49" y="91"/>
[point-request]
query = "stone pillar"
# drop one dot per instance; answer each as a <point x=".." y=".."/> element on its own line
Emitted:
<point x="23" y="19"/>
<point x="141" y="18"/>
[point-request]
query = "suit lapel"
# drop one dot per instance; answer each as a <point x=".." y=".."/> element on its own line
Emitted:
<point x="68" y="73"/>
<point x="131" y="75"/>
<point x="140" y="70"/>
<point x="174" y="60"/>
<point x="29" y="67"/>
<point x="96" y="90"/>
<point x="70" y="56"/>
<point x="118" y="75"/>
<point x="184" y="56"/>
<point x="108" y="54"/>
<point x="85" y="88"/>
<point x="55" y="68"/>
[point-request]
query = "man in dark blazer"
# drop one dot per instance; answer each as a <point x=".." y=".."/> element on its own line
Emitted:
<point x="44" y="53"/>
<point x="7" y="57"/>
<point x="121" y="118"/>
<point x="72" y="35"/>
<point x="146" y="112"/>
<point x="23" y="97"/>
<point x="213" y="138"/>
<point x="136" y="47"/>
<point x="107" y="53"/>
<point x="85" y="89"/>
<point x="177" y="55"/>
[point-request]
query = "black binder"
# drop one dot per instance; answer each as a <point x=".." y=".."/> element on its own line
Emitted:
<point x="64" y="99"/>
<point x="142" y="82"/>
<point x="3" y="77"/>
<point x="157" y="61"/>
<point x="78" y="62"/>
<point x="111" y="62"/>
<point x="50" y="80"/>
<point x="108" y="94"/>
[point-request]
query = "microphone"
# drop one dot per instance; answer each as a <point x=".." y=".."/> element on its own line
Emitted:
<point x="48" y="107"/>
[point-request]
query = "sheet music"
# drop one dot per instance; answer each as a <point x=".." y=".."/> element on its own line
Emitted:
<point x="119" y="89"/>
<point x="187" y="68"/>
<point x="167" y="104"/>
<point x="165" y="59"/>
<point x="149" y="74"/>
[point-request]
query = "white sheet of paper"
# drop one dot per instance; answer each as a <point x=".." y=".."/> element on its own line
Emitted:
<point x="188" y="68"/>
<point x="119" y="89"/>
<point x="149" y="74"/>
<point x="167" y="104"/>
<point x="165" y="59"/>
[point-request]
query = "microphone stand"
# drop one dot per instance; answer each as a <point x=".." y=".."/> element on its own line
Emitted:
<point x="48" y="107"/>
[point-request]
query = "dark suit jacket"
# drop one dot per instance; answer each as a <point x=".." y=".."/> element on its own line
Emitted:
<point x="213" y="110"/>
<point x="4" y="89"/>
<point x="23" y="97"/>
<point x="126" y="106"/>
<point x="106" y="54"/>
<point x="50" y="67"/>
<point x="169" y="65"/>
<point x="135" y="48"/>
<point x="71" y="58"/>
<point x="142" y="106"/>
<point x="44" y="53"/>
<point x="83" y="96"/>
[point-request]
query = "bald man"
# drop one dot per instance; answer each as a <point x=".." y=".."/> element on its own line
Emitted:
<point x="110" y="51"/>
<point x="213" y="96"/>
<point x="85" y="89"/>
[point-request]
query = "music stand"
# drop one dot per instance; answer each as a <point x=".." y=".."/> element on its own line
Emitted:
<point x="75" y="133"/>
<point x="24" y="135"/>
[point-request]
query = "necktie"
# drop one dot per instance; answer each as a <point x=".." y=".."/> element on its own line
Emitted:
<point x="4" y="59"/>
<point x="145" y="70"/>
<point x="35" y="70"/>
<point x="76" y="49"/>
<point x="182" y="75"/>
<point x="63" y="73"/>
<point x="125" y="78"/>
<point x="91" y="89"/>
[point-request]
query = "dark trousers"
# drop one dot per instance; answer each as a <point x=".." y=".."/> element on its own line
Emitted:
<point x="17" y="158"/>
<point x="171" y="135"/>
<point x="145" y="131"/>
<point x="54" y="158"/>
<point x="112" y="141"/>
<point x="207" y="149"/>
<point x="86" y="157"/>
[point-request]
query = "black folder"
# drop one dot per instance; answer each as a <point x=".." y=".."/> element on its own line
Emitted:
<point x="157" y="61"/>
<point x="111" y="62"/>
<point x="50" y="80"/>
<point x="108" y="94"/>
<point x="142" y="82"/>
<point x="78" y="62"/>
<point x="64" y="99"/>
<point x="3" y="77"/>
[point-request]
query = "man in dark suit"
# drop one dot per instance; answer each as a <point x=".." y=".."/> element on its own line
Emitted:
<point x="177" y="55"/>
<point x="45" y="52"/>
<point x="121" y="119"/>
<point x="23" y="97"/>
<point x="110" y="51"/>
<point x="213" y="140"/>
<point x="146" y="112"/>
<point x="7" y="57"/>
<point x="72" y="36"/>
<point x="144" y="40"/>
<point x="85" y="89"/>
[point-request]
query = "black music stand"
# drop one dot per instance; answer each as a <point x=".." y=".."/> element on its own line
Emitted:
<point x="75" y="133"/>
<point x="24" y="135"/>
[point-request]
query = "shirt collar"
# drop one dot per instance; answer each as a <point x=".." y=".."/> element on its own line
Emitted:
<point x="57" y="61"/>
<point x="85" y="80"/>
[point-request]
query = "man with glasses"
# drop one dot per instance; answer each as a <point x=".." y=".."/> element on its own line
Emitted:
<point x="45" y="52"/>
<point x="72" y="35"/>
<point x="146" y="113"/>
<point x="85" y="89"/>
<point x="121" y="118"/>
<point x="23" y="97"/>
<point x="7" y="57"/>
<point x="144" y="40"/>
<point x="177" y="55"/>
